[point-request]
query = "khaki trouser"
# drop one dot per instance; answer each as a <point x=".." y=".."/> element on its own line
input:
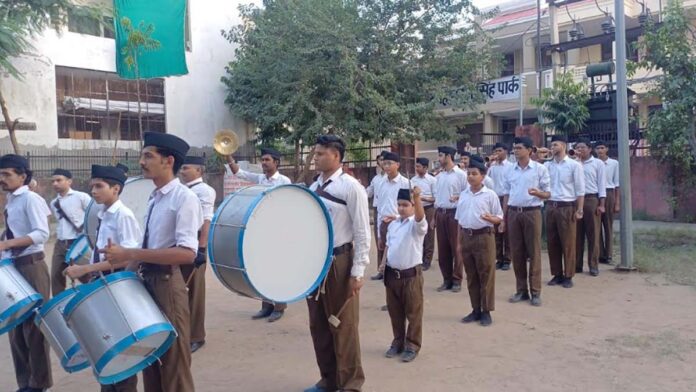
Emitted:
<point x="606" y="239"/>
<point x="429" y="240"/>
<point x="588" y="227"/>
<point x="30" y="352"/>
<point x="196" y="299"/>
<point x="60" y="249"/>
<point x="172" y="373"/>
<point x="405" y="303"/>
<point x="560" y="234"/>
<point x="337" y="350"/>
<point x="524" y="230"/>
<point x="382" y="242"/>
<point x="448" y="254"/>
<point x="502" y="243"/>
<point x="478" y="255"/>
<point x="128" y="385"/>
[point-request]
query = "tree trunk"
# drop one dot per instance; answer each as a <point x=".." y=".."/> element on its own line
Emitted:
<point x="140" y="113"/>
<point x="11" y="125"/>
<point x="306" y="176"/>
<point x="298" y="157"/>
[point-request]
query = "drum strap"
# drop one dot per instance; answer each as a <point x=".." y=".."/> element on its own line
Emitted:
<point x="62" y="215"/>
<point x="95" y="257"/>
<point x="9" y="235"/>
<point x="198" y="183"/>
<point x="326" y="195"/>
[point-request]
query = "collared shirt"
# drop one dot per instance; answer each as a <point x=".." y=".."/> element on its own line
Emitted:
<point x="497" y="173"/>
<point x="27" y="214"/>
<point x="74" y="204"/>
<point x="119" y="225"/>
<point x="372" y="188"/>
<point x="175" y="215"/>
<point x="518" y="181"/>
<point x="261" y="179"/>
<point x="472" y="205"/>
<point x="405" y="242"/>
<point x="611" y="169"/>
<point x="386" y="194"/>
<point x="351" y="222"/>
<point x="426" y="185"/>
<point x="567" y="179"/>
<point x="449" y="183"/>
<point x="206" y="195"/>
<point x="595" y="178"/>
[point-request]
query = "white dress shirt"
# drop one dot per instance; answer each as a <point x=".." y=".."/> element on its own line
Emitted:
<point x="611" y="169"/>
<point x="405" y="242"/>
<point x="175" y="215"/>
<point x="518" y="181"/>
<point x="595" y="178"/>
<point x="386" y="193"/>
<point x="27" y="214"/>
<point x="372" y="188"/>
<point x="426" y="185"/>
<point x="497" y="173"/>
<point x="206" y="195"/>
<point x="261" y="179"/>
<point x="119" y="225"/>
<point x="567" y="179"/>
<point x="74" y="204"/>
<point x="351" y="222"/>
<point x="449" y="183"/>
<point x="472" y="205"/>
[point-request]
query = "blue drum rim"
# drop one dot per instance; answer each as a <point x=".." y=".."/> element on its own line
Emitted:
<point x="51" y="303"/>
<point x="247" y="215"/>
<point x="83" y="252"/>
<point x="5" y="262"/>
<point x="125" y="343"/>
<point x="68" y="355"/>
<point x="90" y="288"/>
<point x="36" y="298"/>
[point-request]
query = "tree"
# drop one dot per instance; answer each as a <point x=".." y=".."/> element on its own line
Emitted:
<point x="361" y="69"/>
<point x="20" y="22"/>
<point x="564" y="107"/>
<point x="138" y="41"/>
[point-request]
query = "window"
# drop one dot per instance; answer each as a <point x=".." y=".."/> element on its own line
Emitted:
<point x="101" y="106"/>
<point x="109" y="27"/>
<point x="508" y="68"/>
<point x="82" y="24"/>
<point x="608" y="50"/>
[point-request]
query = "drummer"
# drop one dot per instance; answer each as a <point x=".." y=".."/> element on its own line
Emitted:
<point x="25" y="235"/>
<point x="338" y="349"/>
<point x="194" y="274"/>
<point x="117" y="226"/>
<point x="270" y="161"/>
<point x="69" y="208"/>
<point x="170" y="240"/>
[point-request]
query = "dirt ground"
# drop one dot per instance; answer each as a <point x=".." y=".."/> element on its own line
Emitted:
<point x="615" y="332"/>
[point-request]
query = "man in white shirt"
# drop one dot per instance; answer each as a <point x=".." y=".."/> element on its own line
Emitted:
<point x="337" y="350"/>
<point x="68" y="208"/>
<point x="612" y="204"/>
<point x="451" y="181"/>
<point x="525" y="187"/>
<point x="595" y="196"/>
<point x="26" y="232"/>
<point x="403" y="276"/>
<point x="426" y="183"/>
<point x="464" y="159"/>
<point x="564" y="208"/>
<point x="170" y="239"/>
<point x="372" y="193"/>
<point x="496" y="172"/>
<point x="194" y="274"/>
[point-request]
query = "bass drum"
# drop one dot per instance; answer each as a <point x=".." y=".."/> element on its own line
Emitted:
<point x="271" y="243"/>
<point x="18" y="299"/>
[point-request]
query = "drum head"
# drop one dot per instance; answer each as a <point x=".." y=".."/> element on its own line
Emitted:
<point x="79" y="252"/>
<point x="136" y="193"/>
<point x="286" y="244"/>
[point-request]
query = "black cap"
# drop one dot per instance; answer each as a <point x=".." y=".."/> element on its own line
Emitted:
<point x="477" y="158"/>
<point x="12" y="161"/>
<point x="175" y="144"/>
<point x="381" y="154"/>
<point x="391" y="156"/>
<point x="584" y="141"/>
<point x="123" y="167"/>
<point x="404" y="194"/>
<point x="501" y="145"/>
<point x="524" y="140"/>
<point x="559" y="138"/>
<point x="447" y="150"/>
<point x="194" y="160"/>
<point x="109" y="173"/>
<point x="275" y="154"/>
<point x="600" y="143"/>
<point x="464" y="154"/>
<point x="476" y="164"/>
<point x="423" y="161"/>
<point x="62" y="172"/>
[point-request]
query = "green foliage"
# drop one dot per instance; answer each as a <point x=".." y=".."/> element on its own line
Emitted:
<point x="564" y="107"/>
<point x="671" y="48"/>
<point x="361" y="69"/>
<point x="138" y="41"/>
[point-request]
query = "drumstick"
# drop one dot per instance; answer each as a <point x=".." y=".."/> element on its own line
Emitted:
<point x="334" y="320"/>
<point x="190" y="277"/>
<point x="108" y="245"/>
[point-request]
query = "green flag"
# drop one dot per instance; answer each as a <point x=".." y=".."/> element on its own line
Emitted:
<point x="167" y="17"/>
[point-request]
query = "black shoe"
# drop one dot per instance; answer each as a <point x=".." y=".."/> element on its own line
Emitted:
<point x="475" y="315"/>
<point x="604" y="260"/>
<point x="384" y="308"/>
<point x="578" y="270"/>
<point x="519" y="297"/>
<point x="456" y="288"/>
<point x="558" y="279"/>
<point x="536" y="300"/>
<point x="195" y="346"/>
<point x="486" y="319"/>
<point x="505" y="267"/>
<point x="444" y="287"/>
<point x="594" y="271"/>
<point x="499" y="265"/>
<point x="29" y="389"/>
<point x="263" y="313"/>
<point x="315" y="388"/>
<point x="276" y="315"/>
<point x="426" y="267"/>
<point x="408" y="355"/>
<point x="392" y="352"/>
<point x="568" y="283"/>
<point x="379" y="276"/>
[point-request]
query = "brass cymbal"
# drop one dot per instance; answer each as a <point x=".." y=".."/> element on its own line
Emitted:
<point x="226" y="142"/>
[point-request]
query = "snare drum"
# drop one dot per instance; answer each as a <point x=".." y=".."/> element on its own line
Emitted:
<point x="18" y="298"/>
<point x="50" y="321"/>
<point x="79" y="252"/>
<point x="271" y="243"/>
<point x="119" y="326"/>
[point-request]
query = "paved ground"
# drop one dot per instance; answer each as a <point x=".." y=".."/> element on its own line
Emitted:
<point x="616" y="332"/>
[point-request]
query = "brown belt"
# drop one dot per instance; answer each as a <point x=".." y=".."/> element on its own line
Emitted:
<point x="447" y="210"/>
<point x="345" y="248"/>
<point x="592" y="195"/>
<point x="149" y="268"/>
<point x="428" y="207"/>
<point x="473" y="232"/>
<point x="29" y="259"/>
<point x="523" y="209"/>
<point x="402" y="274"/>
<point x="66" y="243"/>
<point x="560" y="204"/>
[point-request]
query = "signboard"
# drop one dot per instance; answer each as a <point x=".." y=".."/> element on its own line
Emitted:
<point x="503" y="89"/>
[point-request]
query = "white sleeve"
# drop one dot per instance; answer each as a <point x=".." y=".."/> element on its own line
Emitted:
<point x="421" y="228"/>
<point x="36" y="212"/>
<point x="189" y="218"/>
<point x="129" y="233"/>
<point x="248" y="176"/>
<point x="356" y="201"/>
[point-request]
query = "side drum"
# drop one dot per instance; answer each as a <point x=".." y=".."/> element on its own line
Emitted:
<point x="18" y="298"/>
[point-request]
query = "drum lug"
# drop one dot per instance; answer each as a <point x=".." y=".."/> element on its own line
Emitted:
<point x="10" y="296"/>
<point x="106" y="337"/>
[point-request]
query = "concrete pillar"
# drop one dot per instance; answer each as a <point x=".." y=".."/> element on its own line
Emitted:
<point x="528" y="53"/>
